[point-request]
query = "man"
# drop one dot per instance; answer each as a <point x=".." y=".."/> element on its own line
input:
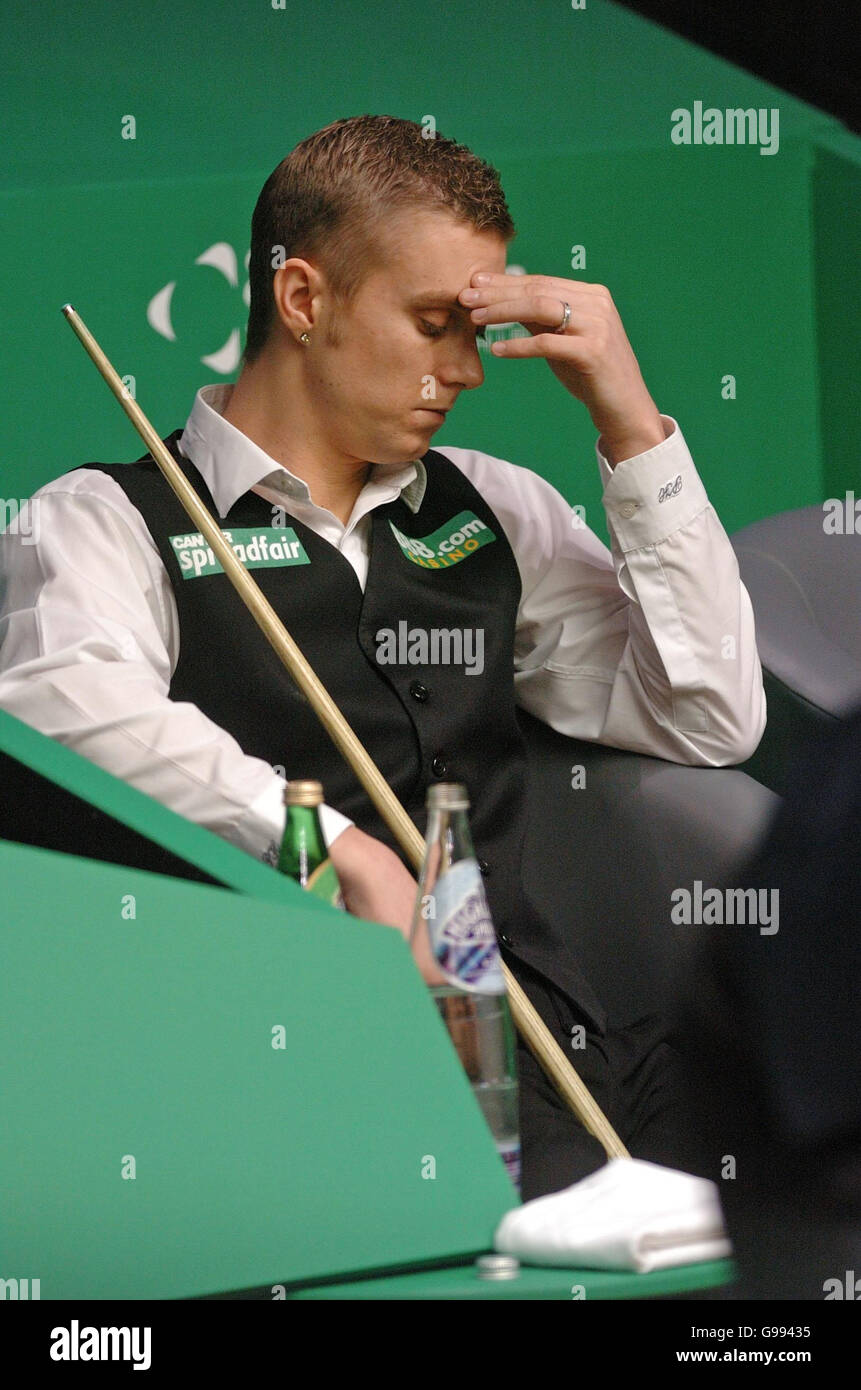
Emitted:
<point x="376" y="258"/>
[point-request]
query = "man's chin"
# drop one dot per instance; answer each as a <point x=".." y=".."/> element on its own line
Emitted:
<point x="408" y="444"/>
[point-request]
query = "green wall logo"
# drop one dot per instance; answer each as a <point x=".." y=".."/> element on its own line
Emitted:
<point x="454" y="541"/>
<point x="221" y="257"/>
<point x="258" y="548"/>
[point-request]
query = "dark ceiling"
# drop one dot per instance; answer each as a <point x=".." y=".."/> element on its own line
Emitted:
<point x="810" y="49"/>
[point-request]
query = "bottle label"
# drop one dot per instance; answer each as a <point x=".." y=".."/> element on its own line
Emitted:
<point x="510" y="1155"/>
<point x="461" y="931"/>
<point x="323" y="883"/>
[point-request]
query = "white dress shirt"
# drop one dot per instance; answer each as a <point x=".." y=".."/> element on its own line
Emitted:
<point x="649" y="646"/>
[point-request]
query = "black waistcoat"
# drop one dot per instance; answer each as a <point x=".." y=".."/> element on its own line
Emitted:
<point x="420" y="721"/>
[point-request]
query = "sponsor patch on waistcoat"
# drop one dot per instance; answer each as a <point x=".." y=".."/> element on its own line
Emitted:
<point x="455" y="541"/>
<point x="259" y="547"/>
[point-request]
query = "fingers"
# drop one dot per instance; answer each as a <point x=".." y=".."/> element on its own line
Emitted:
<point x="579" y="325"/>
<point x="534" y="297"/>
<point x="565" y="347"/>
<point x="534" y="284"/>
<point x="527" y="299"/>
<point x="541" y="309"/>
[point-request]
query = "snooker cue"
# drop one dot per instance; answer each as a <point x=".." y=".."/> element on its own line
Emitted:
<point x="537" y="1036"/>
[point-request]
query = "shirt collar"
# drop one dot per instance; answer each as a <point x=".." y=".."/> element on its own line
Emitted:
<point x="230" y="463"/>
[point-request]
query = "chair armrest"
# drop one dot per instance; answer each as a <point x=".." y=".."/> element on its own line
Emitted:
<point x="601" y="861"/>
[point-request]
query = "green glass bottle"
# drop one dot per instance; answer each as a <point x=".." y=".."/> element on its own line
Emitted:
<point x="304" y="855"/>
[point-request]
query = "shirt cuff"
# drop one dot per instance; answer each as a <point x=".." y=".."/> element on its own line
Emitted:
<point x="332" y="823"/>
<point x="261" y="828"/>
<point x="650" y="496"/>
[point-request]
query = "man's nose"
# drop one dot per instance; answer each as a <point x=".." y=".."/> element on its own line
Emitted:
<point x="465" y="370"/>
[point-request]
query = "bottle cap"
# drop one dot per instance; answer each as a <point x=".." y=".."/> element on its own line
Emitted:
<point x="497" y="1267"/>
<point x="447" y="796"/>
<point x="303" y="792"/>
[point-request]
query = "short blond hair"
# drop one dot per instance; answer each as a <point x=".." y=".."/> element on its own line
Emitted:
<point x="332" y="196"/>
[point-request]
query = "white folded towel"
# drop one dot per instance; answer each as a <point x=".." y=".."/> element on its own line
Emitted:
<point x="629" y="1215"/>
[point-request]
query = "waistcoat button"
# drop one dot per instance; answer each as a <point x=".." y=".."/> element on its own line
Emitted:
<point x="439" y="766"/>
<point x="484" y="867"/>
<point x="418" y="691"/>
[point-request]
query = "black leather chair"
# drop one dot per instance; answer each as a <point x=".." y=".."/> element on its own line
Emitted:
<point x="805" y="587"/>
<point x="604" y="859"/>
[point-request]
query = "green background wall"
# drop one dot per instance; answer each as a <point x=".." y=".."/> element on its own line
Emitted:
<point x="720" y="259"/>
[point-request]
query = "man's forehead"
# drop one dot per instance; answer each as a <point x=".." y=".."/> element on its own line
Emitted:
<point x="435" y="255"/>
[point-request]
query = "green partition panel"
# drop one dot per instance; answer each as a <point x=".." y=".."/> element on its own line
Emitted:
<point x="836" y="220"/>
<point x="137" y="1016"/>
<point x="723" y="261"/>
<point x="222" y="861"/>
<point x="137" y="1029"/>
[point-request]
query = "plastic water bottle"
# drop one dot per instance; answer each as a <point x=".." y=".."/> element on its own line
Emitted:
<point x="452" y="911"/>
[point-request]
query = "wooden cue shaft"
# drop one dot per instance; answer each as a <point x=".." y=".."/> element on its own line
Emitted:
<point x="529" y="1023"/>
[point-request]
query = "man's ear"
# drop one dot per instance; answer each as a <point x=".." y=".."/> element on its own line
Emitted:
<point x="295" y="285"/>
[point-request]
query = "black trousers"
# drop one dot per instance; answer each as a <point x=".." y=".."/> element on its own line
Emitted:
<point x="641" y="1081"/>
